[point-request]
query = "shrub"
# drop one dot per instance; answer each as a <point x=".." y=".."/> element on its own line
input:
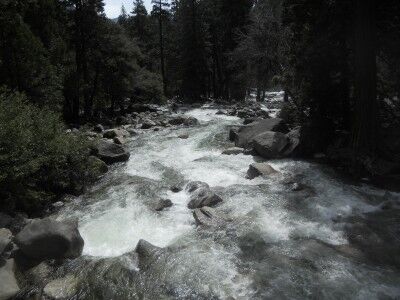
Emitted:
<point x="39" y="161"/>
<point x="149" y="87"/>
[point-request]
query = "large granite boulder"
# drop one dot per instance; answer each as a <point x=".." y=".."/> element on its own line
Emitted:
<point x="62" y="288"/>
<point x="8" y="283"/>
<point x="246" y="134"/>
<point x="46" y="238"/>
<point x="270" y="144"/>
<point x="110" y="152"/>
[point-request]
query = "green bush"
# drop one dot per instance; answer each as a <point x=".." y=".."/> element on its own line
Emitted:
<point x="39" y="161"/>
<point x="149" y="87"/>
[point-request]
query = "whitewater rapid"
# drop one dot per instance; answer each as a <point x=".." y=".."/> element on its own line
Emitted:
<point x="268" y="220"/>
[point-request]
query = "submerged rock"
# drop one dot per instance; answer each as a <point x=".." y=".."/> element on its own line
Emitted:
<point x="62" y="288"/>
<point x="260" y="169"/>
<point x="147" y="124"/>
<point x="247" y="133"/>
<point x="203" y="197"/>
<point x="183" y="136"/>
<point x="175" y="189"/>
<point x="194" y="185"/>
<point x="110" y="152"/>
<point x="206" y="216"/>
<point x="233" y="151"/>
<point x="50" y="239"/>
<point x="163" y="204"/>
<point x="8" y="283"/>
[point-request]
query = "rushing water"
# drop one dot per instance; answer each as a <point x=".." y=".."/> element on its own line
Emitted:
<point x="278" y="244"/>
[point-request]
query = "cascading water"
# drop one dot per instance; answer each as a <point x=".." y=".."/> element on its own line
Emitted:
<point x="278" y="243"/>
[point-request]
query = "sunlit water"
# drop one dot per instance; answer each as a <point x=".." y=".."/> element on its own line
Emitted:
<point x="263" y="253"/>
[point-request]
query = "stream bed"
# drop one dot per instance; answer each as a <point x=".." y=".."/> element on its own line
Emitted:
<point x="279" y="242"/>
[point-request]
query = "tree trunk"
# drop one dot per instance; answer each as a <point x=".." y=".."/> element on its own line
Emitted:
<point x="365" y="130"/>
<point x="160" y="25"/>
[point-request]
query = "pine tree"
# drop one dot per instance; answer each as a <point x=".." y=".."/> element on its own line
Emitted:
<point x="159" y="9"/>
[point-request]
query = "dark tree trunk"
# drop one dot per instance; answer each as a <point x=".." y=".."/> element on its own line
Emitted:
<point x="160" y="25"/>
<point x="365" y="131"/>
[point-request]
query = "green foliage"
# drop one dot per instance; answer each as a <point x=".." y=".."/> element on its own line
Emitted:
<point x="38" y="159"/>
<point x="149" y="87"/>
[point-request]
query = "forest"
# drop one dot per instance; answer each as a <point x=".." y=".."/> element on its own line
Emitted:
<point x="75" y="84"/>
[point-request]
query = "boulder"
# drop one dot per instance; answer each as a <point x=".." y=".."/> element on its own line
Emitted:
<point x="194" y="185"/>
<point x="175" y="189"/>
<point x="110" y="152"/>
<point x="248" y="121"/>
<point x="98" y="128"/>
<point x="62" y="288"/>
<point x="203" y="196"/>
<point x="46" y="238"/>
<point x="260" y="169"/>
<point x="178" y="120"/>
<point x="163" y="204"/>
<point x="147" y="124"/>
<point x="233" y="132"/>
<point x="221" y="112"/>
<point x="8" y="283"/>
<point x="270" y="144"/>
<point x="191" y="121"/>
<point x="294" y="142"/>
<point x="112" y="133"/>
<point x="183" y="136"/>
<point x="119" y="140"/>
<point x="233" y="151"/>
<point x="39" y="274"/>
<point x="5" y="240"/>
<point x="247" y="133"/>
<point x="206" y="216"/>
<point x="147" y="253"/>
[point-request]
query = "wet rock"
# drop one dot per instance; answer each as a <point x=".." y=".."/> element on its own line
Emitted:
<point x="112" y="133"/>
<point x="175" y="189"/>
<point x="260" y="169"/>
<point x="183" y="136"/>
<point x="270" y="144"/>
<point x="147" y="124"/>
<point x="50" y="239"/>
<point x="178" y="120"/>
<point x="206" y="216"/>
<point x="110" y="152"/>
<point x="163" y="204"/>
<point x="233" y="133"/>
<point x="191" y="121"/>
<point x="221" y="112"/>
<point x="194" y="185"/>
<point x="203" y="196"/>
<point x="119" y="140"/>
<point x="62" y="288"/>
<point x="98" y="128"/>
<point x="294" y="142"/>
<point x="147" y="253"/>
<point x="8" y="283"/>
<point x="247" y="133"/>
<point x="233" y="151"/>
<point x="5" y="240"/>
<point x="57" y="205"/>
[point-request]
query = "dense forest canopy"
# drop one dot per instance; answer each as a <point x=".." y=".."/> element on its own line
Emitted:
<point x="337" y="61"/>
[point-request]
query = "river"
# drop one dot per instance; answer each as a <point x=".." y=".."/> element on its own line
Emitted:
<point x="277" y="243"/>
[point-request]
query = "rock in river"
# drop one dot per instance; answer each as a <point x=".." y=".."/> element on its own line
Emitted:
<point x="260" y="169"/>
<point x="62" y="288"/>
<point x="50" y="239"/>
<point x="233" y="151"/>
<point x="110" y="152"/>
<point x="270" y="144"/>
<point x="206" y="216"/>
<point x="246" y="134"/>
<point x="201" y="195"/>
